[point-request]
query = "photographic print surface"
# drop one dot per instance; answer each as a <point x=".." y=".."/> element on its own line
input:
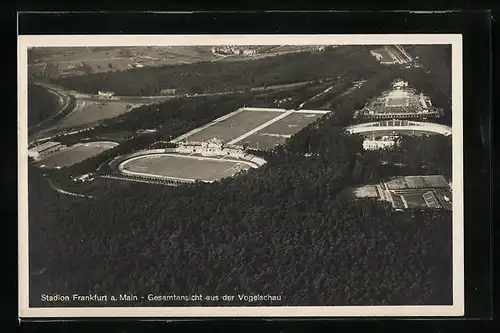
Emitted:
<point x="240" y="176"/>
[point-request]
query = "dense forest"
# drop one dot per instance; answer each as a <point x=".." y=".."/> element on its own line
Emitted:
<point x="436" y="61"/>
<point x="290" y="228"/>
<point x="286" y="229"/>
<point x="41" y="104"/>
<point x="208" y="77"/>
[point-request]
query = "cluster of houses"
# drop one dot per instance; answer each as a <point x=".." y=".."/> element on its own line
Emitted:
<point x="233" y="50"/>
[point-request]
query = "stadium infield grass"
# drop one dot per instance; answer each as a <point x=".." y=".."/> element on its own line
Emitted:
<point x="182" y="167"/>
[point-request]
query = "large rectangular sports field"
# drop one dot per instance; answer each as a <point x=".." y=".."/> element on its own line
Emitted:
<point x="75" y="154"/>
<point x="259" y="128"/>
<point x="291" y="124"/>
<point x="278" y="132"/>
<point x="182" y="167"/>
<point x="234" y="126"/>
<point x="397" y="101"/>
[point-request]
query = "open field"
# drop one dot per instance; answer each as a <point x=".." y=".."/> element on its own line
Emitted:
<point x="75" y="154"/>
<point x="182" y="167"/>
<point x="366" y="191"/>
<point x="69" y="61"/>
<point x="87" y="112"/>
<point x="196" y="73"/>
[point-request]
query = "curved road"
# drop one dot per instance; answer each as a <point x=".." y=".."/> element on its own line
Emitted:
<point x="63" y="101"/>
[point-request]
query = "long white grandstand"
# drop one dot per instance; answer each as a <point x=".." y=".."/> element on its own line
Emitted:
<point x="216" y="147"/>
<point x="399" y="125"/>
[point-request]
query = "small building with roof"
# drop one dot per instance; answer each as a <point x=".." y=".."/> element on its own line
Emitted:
<point x="45" y="149"/>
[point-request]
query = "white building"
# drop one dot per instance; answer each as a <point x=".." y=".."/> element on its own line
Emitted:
<point x="249" y="52"/>
<point x="105" y="94"/>
<point x="373" y="144"/>
<point x="399" y="84"/>
<point x="45" y="149"/>
<point x="168" y="91"/>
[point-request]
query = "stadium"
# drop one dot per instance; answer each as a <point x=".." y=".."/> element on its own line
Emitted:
<point x="400" y="102"/>
<point x="214" y="151"/>
<point x="189" y="162"/>
<point x="411" y="192"/>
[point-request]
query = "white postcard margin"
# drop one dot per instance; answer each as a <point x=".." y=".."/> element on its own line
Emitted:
<point x="458" y="307"/>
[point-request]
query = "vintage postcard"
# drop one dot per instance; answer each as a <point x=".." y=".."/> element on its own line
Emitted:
<point x="240" y="176"/>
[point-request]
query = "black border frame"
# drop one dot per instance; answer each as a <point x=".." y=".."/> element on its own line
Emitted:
<point x="475" y="26"/>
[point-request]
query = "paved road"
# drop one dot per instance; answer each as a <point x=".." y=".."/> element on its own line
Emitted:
<point x="81" y="97"/>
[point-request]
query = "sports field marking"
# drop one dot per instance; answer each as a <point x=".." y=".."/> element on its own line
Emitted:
<point x="405" y="203"/>
<point x="313" y="111"/>
<point x="265" y="109"/>
<point x="286" y="110"/>
<point x="152" y="175"/>
<point x="258" y="128"/>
